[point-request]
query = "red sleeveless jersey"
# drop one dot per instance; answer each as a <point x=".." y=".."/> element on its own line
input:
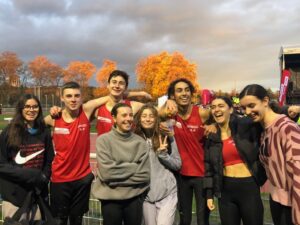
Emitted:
<point x="189" y="136"/>
<point x="104" y="119"/>
<point x="72" y="146"/>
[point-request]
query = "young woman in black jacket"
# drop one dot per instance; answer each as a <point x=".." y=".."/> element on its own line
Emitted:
<point x="233" y="172"/>
<point x="26" y="154"/>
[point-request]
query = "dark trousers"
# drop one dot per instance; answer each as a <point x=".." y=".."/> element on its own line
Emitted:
<point x="129" y="211"/>
<point x="240" y="200"/>
<point x="187" y="187"/>
<point x="281" y="214"/>
<point x="70" y="200"/>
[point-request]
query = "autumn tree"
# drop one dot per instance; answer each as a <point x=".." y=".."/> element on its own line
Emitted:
<point x="156" y="72"/>
<point x="56" y="75"/>
<point x="103" y="73"/>
<point x="80" y="72"/>
<point x="25" y="75"/>
<point x="100" y="91"/>
<point x="45" y="72"/>
<point x="9" y="65"/>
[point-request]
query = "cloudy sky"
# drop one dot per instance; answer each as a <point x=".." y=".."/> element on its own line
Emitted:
<point x="233" y="42"/>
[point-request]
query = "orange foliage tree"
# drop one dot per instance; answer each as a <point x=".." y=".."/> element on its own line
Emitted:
<point x="9" y="65"/>
<point x="157" y="71"/>
<point x="103" y="73"/>
<point x="102" y="76"/>
<point x="80" y="72"/>
<point x="56" y="75"/>
<point x="45" y="72"/>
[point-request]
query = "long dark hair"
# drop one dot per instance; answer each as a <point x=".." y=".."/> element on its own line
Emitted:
<point x="155" y="130"/>
<point x="17" y="129"/>
<point x="255" y="90"/>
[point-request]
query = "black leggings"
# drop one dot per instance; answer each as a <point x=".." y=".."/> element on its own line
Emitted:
<point x="187" y="186"/>
<point x="281" y="214"/>
<point x="129" y="211"/>
<point x="240" y="200"/>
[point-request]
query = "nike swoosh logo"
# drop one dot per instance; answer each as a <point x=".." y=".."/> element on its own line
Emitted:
<point x="22" y="160"/>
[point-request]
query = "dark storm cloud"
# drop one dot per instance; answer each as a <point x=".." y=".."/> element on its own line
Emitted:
<point x="239" y="40"/>
<point x="40" y="7"/>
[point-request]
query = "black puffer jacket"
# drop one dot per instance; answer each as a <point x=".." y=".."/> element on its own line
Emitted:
<point x="246" y="136"/>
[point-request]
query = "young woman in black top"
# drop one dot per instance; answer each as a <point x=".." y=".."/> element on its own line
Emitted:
<point x="26" y="153"/>
<point x="233" y="171"/>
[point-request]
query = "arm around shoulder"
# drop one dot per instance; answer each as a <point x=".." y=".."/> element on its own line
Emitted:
<point x="90" y="106"/>
<point x="49" y="121"/>
<point x="204" y="114"/>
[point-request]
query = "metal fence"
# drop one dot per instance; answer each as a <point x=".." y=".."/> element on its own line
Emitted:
<point x="93" y="217"/>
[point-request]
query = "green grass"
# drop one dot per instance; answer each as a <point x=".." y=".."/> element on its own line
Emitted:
<point x="3" y="123"/>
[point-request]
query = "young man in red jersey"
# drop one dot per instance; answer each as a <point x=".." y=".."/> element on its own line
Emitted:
<point x="189" y="135"/>
<point x="117" y="86"/>
<point x="71" y="173"/>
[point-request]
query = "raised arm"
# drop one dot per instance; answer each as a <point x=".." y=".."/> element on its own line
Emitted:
<point x="143" y="94"/>
<point x="168" y="110"/>
<point x="136" y="106"/>
<point x="49" y="120"/>
<point x="204" y="114"/>
<point x="90" y="106"/>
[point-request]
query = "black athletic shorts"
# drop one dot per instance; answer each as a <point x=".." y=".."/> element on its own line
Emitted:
<point x="71" y="198"/>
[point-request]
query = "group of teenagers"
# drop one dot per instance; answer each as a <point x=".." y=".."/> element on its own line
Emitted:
<point x="151" y="162"/>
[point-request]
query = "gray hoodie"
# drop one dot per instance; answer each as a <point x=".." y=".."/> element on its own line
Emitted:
<point x="163" y="164"/>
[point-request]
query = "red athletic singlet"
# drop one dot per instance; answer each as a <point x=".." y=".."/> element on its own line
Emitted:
<point x="72" y="146"/>
<point x="105" y="120"/>
<point x="230" y="153"/>
<point x="189" y="138"/>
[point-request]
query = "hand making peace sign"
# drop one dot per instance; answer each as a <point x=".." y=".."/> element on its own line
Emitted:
<point x="163" y="145"/>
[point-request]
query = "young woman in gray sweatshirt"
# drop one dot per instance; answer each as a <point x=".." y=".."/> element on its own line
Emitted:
<point x="123" y="171"/>
<point x="160" y="204"/>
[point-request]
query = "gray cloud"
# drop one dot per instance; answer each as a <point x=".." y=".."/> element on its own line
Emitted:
<point x="232" y="42"/>
<point x="40" y="7"/>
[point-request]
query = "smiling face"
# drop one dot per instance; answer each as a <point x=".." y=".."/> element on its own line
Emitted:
<point x="254" y="107"/>
<point x="30" y="111"/>
<point x="72" y="98"/>
<point x="221" y="111"/>
<point x="117" y="86"/>
<point x="124" y="119"/>
<point x="182" y="94"/>
<point x="147" y="119"/>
